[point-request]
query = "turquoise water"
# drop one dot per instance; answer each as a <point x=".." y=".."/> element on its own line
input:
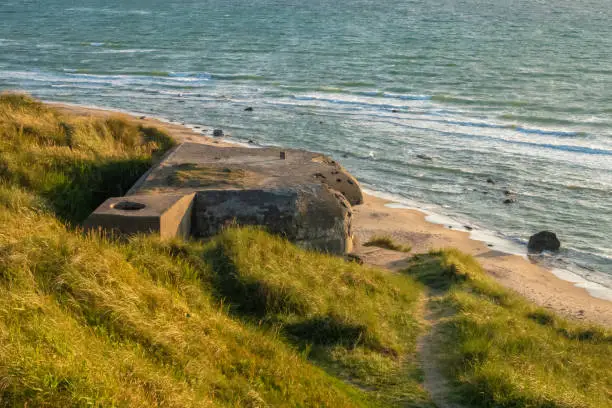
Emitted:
<point x="516" y="91"/>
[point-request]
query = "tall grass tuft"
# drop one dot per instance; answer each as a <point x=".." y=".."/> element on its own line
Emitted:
<point x="387" y="242"/>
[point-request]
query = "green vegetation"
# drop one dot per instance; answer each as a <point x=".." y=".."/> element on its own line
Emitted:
<point x="245" y="319"/>
<point x="192" y="175"/>
<point x="387" y="242"/>
<point x="75" y="163"/>
<point x="502" y="351"/>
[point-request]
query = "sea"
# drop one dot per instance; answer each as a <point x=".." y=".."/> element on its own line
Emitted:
<point x="450" y="106"/>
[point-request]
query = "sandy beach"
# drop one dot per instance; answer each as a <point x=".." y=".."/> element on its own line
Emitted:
<point x="534" y="282"/>
<point x="410" y="227"/>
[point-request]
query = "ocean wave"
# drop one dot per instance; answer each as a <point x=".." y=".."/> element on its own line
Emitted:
<point x="536" y="119"/>
<point x="468" y="101"/>
<point x="124" y="51"/>
<point x="236" y="77"/>
<point x="190" y="76"/>
<point x="562" y="147"/>
<point x="467" y="123"/>
<point x="404" y="97"/>
<point x="108" y="11"/>
<point x="355" y="84"/>
<point x="6" y="41"/>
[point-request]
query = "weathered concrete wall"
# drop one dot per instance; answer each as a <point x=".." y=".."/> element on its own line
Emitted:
<point x="312" y="216"/>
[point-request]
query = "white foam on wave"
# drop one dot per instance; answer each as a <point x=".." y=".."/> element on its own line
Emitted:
<point x="108" y="10"/>
<point x="593" y="288"/>
<point x="124" y="51"/>
<point x="530" y="139"/>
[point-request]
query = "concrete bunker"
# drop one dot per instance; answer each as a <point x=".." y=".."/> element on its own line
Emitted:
<point x="199" y="189"/>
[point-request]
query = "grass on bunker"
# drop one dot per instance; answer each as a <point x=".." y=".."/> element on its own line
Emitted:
<point x="246" y="319"/>
<point x="502" y="351"/>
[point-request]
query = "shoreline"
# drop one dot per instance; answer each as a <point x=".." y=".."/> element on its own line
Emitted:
<point x="382" y="216"/>
<point x="499" y="242"/>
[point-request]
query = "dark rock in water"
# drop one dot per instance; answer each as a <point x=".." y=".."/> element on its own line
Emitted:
<point x="248" y="109"/>
<point x="467" y="227"/>
<point x="424" y="157"/>
<point x="490" y="181"/>
<point x="251" y="141"/>
<point x="218" y="133"/>
<point x="509" y="201"/>
<point x="490" y="245"/>
<point x="544" y="241"/>
<point x="509" y="193"/>
<point x="394" y="110"/>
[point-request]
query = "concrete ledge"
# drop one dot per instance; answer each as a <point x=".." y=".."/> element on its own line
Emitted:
<point x="168" y="215"/>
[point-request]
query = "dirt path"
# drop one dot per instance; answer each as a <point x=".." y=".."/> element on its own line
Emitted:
<point x="428" y="346"/>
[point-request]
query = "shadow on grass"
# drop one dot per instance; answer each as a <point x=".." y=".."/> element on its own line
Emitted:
<point x="248" y="297"/>
<point x="74" y="189"/>
<point x="81" y="188"/>
<point x="326" y="331"/>
<point x="429" y="269"/>
<point x="281" y="305"/>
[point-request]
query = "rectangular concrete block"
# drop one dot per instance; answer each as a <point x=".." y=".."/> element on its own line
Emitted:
<point x="168" y="215"/>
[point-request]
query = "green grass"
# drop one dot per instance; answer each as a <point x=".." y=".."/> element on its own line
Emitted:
<point x="75" y="163"/>
<point x="387" y="242"/>
<point x="501" y="351"/>
<point x="246" y="319"/>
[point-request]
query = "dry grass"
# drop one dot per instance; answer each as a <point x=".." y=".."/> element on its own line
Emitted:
<point x="246" y="319"/>
<point x="193" y="176"/>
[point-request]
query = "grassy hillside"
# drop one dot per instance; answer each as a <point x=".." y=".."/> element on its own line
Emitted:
<point x="245" y="319"/>
<point x="501" y="351"/>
